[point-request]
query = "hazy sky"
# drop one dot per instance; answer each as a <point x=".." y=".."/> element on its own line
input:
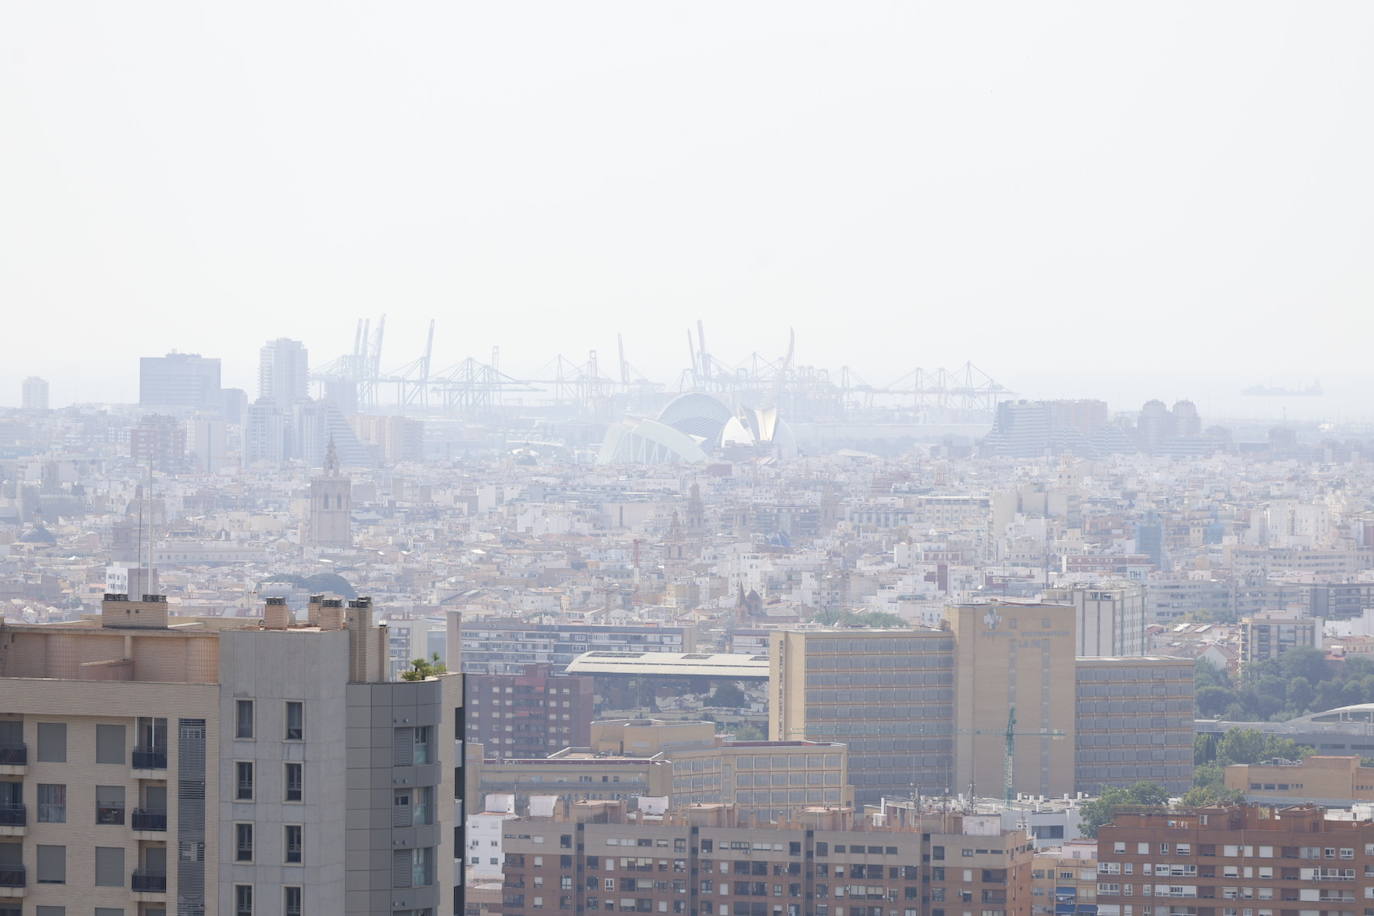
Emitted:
<point x="1055" y="191"/>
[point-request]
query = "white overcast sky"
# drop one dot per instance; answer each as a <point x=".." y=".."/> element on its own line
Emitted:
<point x="1072" y="195"/>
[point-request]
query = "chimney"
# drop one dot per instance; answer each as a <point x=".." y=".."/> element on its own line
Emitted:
<point x="276" y="615"/>
<point x="331" y="614"/>
<point x="312" y="614"/>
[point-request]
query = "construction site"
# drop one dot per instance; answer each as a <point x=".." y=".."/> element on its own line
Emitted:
<point x="574" y="400"/>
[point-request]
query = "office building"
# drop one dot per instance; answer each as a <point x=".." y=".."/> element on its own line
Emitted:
<point x="1013" y="671"/>
<point x="1109" y="617"/>
<point x="33" y="393"/>
<point x="330" y="520"/>
<point x="155" y="764"/>
<point x="1333" y="782"/>
<point x="701" y="860"/>
<point x="1134" y="723"/>
<point x="180" y="381"/>
<point x="1268" y="636"/>
<point x="531" y="714"/>
<point x="889" y="695"/>
<point x="1229" y="859"/>
<point x="929" y="710"/>
<point x="507" y="645"/>
<point x="283" y="373"/>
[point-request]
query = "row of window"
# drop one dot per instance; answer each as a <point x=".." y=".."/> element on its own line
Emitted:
<point x="111" y="743"/>
<point x="245" y="725"/>
<point x="293" y="843"/>
<point x="292" y="900"/>
<point x="245" y="784"/>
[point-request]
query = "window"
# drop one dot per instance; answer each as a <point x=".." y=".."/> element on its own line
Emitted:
<point x="243" y="900"/>
<point x="291" y="901"/>
<point x="413" y="867"/>
<point x="295" y="782"/>
<point x="52" y="803"/>
<point x="109" y="911"/>
<point x="50" y="911"/>
<point x="109" y="866"/>
<point x="109" y="744"/>
<point x="243" y="780"/>
<point x="52" y="742"/>
<point x="295" y="720"/>
<point x="243" y="727"/>
<point x="243" y="842"/>
<point x="52" y="865"/>
<point x="109" y="805"/>
<point x="293" y="841"/>
<point x="411" y="746"/>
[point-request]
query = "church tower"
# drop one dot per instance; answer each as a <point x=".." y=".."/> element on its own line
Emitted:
<point x="331" y="506"/>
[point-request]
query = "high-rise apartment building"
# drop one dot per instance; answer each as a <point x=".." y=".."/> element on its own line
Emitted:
<point x="701" y="860"/>
<point x="34" y="393"/>
<point x="1110" y="617"/>
<point x="151" y="765"/>
<point x="1267" y="636"/>
<point x="283" y="373"/>
<point x="158" y="441"/>
<point x="531" y="714"/>
<point x="185" y="381"/>
<point x="1271" y="862"/>
<point x="265" y="434"/>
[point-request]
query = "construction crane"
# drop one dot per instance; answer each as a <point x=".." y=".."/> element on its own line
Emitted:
<point x="1008" y="761"/>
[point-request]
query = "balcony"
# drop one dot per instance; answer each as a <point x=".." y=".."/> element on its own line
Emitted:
<point x="13" y="815"/>
<point x="147" y="882"/>
<point x="13" y="876"/>
<point x="147" y="819"/>
<point x="150" y="758"/>
<point x="14" y="755"/>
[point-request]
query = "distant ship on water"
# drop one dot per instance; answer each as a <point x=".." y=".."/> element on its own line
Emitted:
<point x="1313" y="390"/>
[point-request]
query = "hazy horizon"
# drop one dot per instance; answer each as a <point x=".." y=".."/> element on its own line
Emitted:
<point x="1167" y="200"/>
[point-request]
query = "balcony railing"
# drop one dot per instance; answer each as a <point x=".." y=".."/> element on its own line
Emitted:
<point x="13" y="815"/>
<point x="147" y="819"/>
<point x="150" y="758"/>
<point x="13" y="876"/>
<point x="147" y="882"/>
<point x="14" y="754"/>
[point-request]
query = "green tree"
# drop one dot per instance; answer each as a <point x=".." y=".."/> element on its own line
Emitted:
<point x="1212" y="701"/>
<point x="1102" y="809"/>
<point x="424" y="668"/>
<point x="727" y="695"/>
<point x="1249" y="745"/>
<point x="1205" y="796"/>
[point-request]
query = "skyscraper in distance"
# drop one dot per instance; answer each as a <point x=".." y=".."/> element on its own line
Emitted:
<point x="283" y="373"/>
<point x="34" y="393"/>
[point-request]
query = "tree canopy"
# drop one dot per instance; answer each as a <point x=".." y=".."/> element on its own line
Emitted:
<point x="1295" y="683"/>
<point x="1102" y="809"/>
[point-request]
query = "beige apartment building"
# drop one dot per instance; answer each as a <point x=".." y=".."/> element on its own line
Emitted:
<point x="153" y="765"/>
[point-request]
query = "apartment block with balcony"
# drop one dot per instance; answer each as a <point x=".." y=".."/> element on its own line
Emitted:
<point x="151" y="764"/>
<point x="1233" y="861"/>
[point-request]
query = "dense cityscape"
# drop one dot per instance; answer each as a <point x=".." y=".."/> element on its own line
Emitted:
<point x="423" y="642"/>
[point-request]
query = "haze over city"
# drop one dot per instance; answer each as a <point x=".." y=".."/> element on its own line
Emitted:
<point x="756" y="459"/>
<point x="1054" y="191"/>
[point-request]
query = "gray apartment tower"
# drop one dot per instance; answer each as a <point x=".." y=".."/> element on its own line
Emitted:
<point x="212" y="768"/>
